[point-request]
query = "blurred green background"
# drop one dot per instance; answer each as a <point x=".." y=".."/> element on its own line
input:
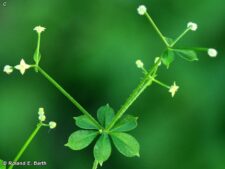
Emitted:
<point x="90" y="47"/>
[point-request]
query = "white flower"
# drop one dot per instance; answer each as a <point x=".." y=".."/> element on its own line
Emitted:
<point x="212" y="52"/>
<point x="39" y="29"/>
<point x="42" y="118"/>
<point x="192" y="26"/>
<point x="173" y="89"/>
<point x="8" y="69"/>
<point x="156" y="60"/>
<point x="139" y="64"/>
<point x="22" y="66"/>
<point x="52" y="124"/>
<point x="41" y="111"/>
<point x="142" y="10"/>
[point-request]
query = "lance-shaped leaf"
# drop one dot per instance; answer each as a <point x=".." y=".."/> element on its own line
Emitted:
<point x="37" y="56"/>
<point x="186" y="54"/>
<point x="127" y="123"/>
<point x="105" y="115"/>
<point x="81" y="139"/>
<point x="102" y="149"/>
<point x="126" y="144"/>
<point x="168" y="57"/>
<point x="2" y="166"/>
<point x="84" y="122"/>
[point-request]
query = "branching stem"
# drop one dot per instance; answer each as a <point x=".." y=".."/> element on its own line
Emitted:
<point x="135" y="94"/>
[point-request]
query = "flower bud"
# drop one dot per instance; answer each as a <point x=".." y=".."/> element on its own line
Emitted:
<point x="52" y="124"/>
<point x="8" y="69"/>
<point x="142" y="10"/>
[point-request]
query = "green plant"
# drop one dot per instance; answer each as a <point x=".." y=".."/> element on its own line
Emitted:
<point x="111" y="127"/>
<point x="40" y="124"/>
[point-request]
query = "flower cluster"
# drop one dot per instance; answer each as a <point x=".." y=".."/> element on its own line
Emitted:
<point x="42" y="118"/>
<point x="172" y="89"/>
<point x="22" y="67"/>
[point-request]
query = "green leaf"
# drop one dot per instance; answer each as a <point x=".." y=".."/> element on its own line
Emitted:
<point x="84" y="122"/>
<point x="81" y="139"/>
<point x="127" y="123"/>
<point x="168" y="57"/>
<point x="1" y="165"/>
<point x="102" y="149"/>
<point x="187" y="54"/>
<point x="37" y="57"/>
<point x="105" y="115"/>
<point x="126" y="144"/>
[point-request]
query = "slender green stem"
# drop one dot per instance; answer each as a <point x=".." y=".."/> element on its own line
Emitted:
<point x="38" y="43"/>
<point x="155" y="80"/>
<point x="160" y="83"/>
<point x="34" y="133"/>
<point x="179" y="37"/>
<point x="37" y="52"/>
<point x="95" y="164"/>
<point x="68" y="96"/>
<point x="135" y="94"/>
<point x="157" y="29"/>
<point x="193" y="48"/>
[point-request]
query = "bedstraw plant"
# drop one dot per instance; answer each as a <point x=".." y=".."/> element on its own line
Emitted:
<point x="112" y="127"/>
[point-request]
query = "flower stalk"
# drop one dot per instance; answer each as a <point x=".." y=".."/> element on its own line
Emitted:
<point x="27" y="143"/>
<point x="157" y="29"/>
<point x="68" y="96"/>
<point x="180" y="37"/>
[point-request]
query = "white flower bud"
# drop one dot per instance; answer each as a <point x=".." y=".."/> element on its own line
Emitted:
<point x="192" y="26"/>
<point x="212" y="52"/>
<point x="39" y="29"/>
<point x="52" y="124"/>
<point x="41" y="111"/>
<point x="42" y="118"/>
<point x="142" y="10"/>
<point x="8" y="69"/>
<point x="139" y="64"/>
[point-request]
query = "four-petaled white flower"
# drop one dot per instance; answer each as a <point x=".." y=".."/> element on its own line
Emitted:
<point x="156" y="60"/>
<point x="142" y="10"/>
<point x="39" y="29"/>
<point x="41" y="111"/>
<point x="52" y="124"/>
<point x="192" y="26"/>
<point x="173" y="89"/>
<point x="139" y="64"/>
<point x="42" y="118"/>
<point x="22" y="67"/>
<point x="212" y="52"/>
<point x="8" y="69"/>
